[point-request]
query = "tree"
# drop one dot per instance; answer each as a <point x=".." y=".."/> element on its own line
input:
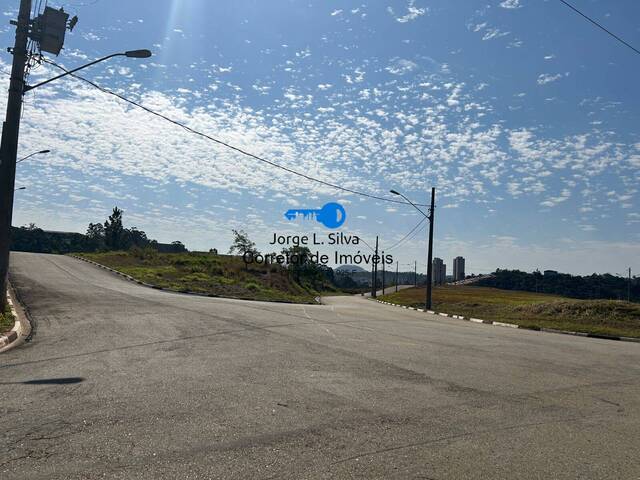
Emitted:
<point x="95" y="236"/>
<point x="114" y="236"/>
<point x="95" y="231"/>
<point x="178" y="247"/>
<point x="303" y="268"/>
<point x="136" y="238"/>
<point x="241" y="243"/>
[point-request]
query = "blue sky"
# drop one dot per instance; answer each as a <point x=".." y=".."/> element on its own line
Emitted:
<point x="522" y="114"/>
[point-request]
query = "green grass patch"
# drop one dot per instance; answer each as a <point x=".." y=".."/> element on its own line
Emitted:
<point x="532" y="310"/>
<point x="7" y="320"/>
<point x="206" y="273"/>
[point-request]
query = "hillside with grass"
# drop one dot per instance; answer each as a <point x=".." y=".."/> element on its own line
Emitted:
<point x="532" y="310"/>
<point x="209" y="274"/>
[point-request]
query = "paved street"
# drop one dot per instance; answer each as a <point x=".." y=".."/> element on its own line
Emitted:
<point x="182" y="387"/>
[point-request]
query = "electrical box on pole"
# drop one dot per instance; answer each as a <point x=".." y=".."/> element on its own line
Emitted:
<point x="49" y="29"/>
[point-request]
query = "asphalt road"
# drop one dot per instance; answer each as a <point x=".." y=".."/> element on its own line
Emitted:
<point x="180" y="387"/>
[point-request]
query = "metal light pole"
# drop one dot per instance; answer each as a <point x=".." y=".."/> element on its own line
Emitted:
<point x="429" y="217"/>
<point x="430" y="256"/>
<point x="374" y="271"/>
<point x="396" y="276"/>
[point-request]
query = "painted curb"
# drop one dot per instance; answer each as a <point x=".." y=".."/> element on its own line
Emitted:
<point x="20" y="332"/>
<point x="513" y="325"/>
<point x="184" y="292"/>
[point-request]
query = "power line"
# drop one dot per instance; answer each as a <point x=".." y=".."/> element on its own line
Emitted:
<point x="600" y="26"/>
<point x="225" y="144"/>
<point x="414" y="229"/>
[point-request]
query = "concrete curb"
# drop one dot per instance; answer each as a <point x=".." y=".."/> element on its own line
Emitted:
<point x="156" y="287"/>
<point x="19" y="333"/>
<point x="513" y="325"/>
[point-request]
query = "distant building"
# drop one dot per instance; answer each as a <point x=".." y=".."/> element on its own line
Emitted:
<point x="439" y="271"/>
<point x="458" y="269"/>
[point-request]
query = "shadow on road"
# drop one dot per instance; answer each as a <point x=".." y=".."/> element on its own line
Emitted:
<point x="48" y="381"/>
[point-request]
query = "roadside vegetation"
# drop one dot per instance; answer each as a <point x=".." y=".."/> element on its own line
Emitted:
<point x="589" y="287"/>
<point x="208" y="273"/>
<point x="532" y="310"/>
<point x="6" y="320"/>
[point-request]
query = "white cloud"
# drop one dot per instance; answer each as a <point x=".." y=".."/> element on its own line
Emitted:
<point x="401" y="66"/>
<point x="511" y="4"/>
<point x="413" y="12"/>
<point x="546" y="78"/>
<point x="492" y="33"/>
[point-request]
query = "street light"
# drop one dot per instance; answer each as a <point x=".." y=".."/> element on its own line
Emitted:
<point x="34" y="153"/>
<point x="20" y="188"/>
<point x="429" y="217"/>
<point x="129" y="54"/>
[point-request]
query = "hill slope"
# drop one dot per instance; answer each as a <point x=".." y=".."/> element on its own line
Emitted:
<point x="216" y="275"/>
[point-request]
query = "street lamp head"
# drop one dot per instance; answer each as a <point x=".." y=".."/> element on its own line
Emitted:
<point x="21" y="188"/>
<point x="394" y="192"/>
<point x="138" y="53"/>
<point x="44" y="151"/>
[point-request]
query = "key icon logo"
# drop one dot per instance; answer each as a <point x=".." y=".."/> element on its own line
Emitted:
<point x="332" y="215"/>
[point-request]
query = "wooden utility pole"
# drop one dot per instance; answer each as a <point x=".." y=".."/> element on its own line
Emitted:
<point x="9" y="142"/>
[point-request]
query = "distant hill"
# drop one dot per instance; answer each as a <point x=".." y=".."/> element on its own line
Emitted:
<point x="350" y="268"/>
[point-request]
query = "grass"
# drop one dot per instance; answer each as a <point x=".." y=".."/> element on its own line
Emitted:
<point x="6" y="321"/>
<point x="532" y="310"/>
<point x="216" y="275"/>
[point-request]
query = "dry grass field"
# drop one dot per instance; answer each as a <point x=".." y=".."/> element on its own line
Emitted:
<point x="532" y="310"/>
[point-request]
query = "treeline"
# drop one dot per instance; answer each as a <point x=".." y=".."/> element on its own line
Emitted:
<point x="588" y="287"/>
<point x="110" y="235"/>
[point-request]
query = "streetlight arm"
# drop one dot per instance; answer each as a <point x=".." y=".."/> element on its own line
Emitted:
<point x="34" y="153"/>
<point x="31" y="87"/>
<point x="130" y="54"/>
<point x="413" y="204"/>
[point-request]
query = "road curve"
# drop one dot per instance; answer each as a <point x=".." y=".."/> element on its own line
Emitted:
<point x="162" y="385"/>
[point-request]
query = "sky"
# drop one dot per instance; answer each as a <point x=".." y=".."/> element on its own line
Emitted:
<point x="520" y="113"/>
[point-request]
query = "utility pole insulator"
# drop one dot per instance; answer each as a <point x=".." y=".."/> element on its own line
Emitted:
<point x="72" y="23"/>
